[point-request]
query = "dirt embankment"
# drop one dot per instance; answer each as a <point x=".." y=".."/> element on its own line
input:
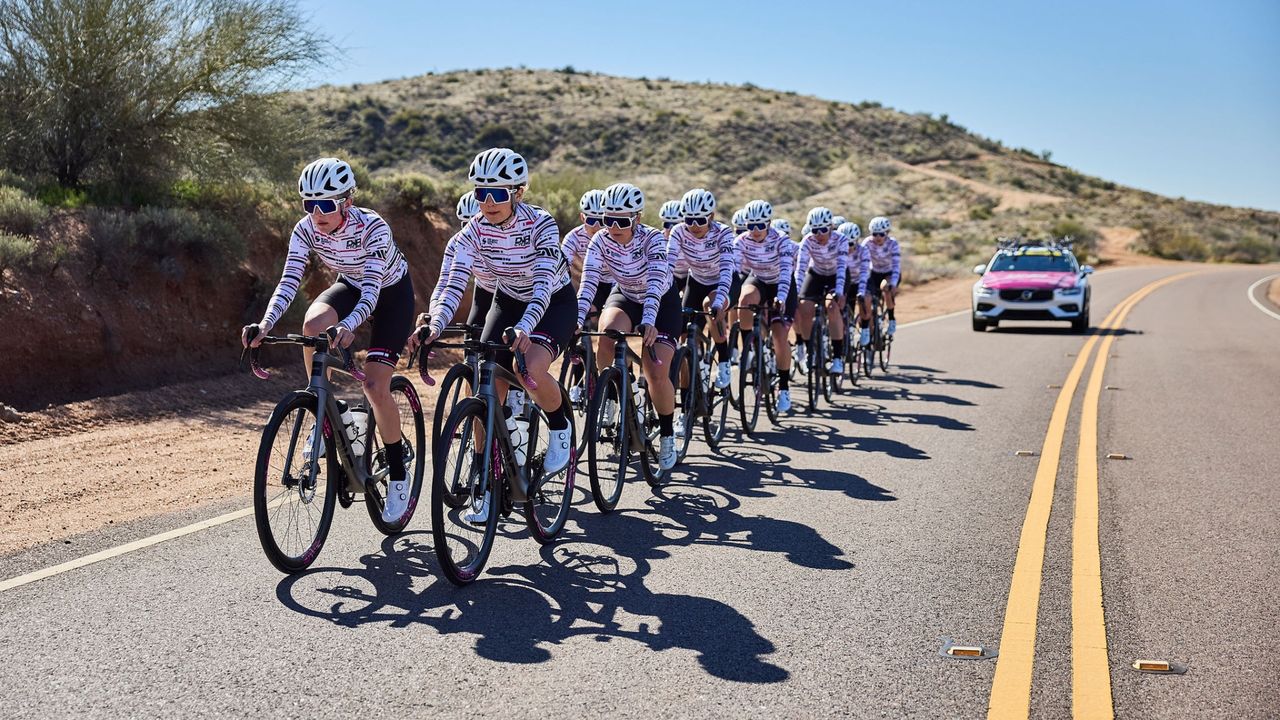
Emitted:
<point x="102" y="322"/>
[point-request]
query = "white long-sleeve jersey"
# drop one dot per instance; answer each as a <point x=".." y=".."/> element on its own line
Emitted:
<point x="886" y="257"/>
<point x="709" y="260"/>
<point x="824" y="258"/>
<point x="770" y="260"/>
<point x="640" y="270"/>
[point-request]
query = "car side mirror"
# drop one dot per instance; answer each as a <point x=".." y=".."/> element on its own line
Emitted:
<point x="979" y="269"/>
<point x="1086" y="270"/>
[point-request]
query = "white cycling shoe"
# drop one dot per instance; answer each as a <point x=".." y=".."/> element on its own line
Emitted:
<point x="722" y="376"/>
<point x="396" y="501"/>
<point x="802" y="355"/>
<point x="575" y="394"/>
<point x="479" y="512"/>
<point x="666" y="452"/>
<point x="784" y="401"/>
<point x="610" y="416"/>
<point x="865" y="339"/>
<point x="557" y="450"/>
<point x="893" y="327"/>
<point x="837" y="366"/>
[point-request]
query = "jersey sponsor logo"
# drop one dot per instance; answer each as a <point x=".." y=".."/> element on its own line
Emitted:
<point x="353" y="243"/>
<point x="522" y="241"/>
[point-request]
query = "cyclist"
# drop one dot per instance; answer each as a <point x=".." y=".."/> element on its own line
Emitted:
<point x="886" y="265"/>
<point x="820" y="270"/>
<point x="857" y="272"/>
<point x="634" y="257"/>
<point x="671" y="217"/>
<point x="767" y="258"/>
<point x="519" y="244"/>
<point x="373" y="284"/>
<point x="739" y="222"/>
<point x="576" y="240"/>
<point x="486" y="283"/>
<point x="783" y="226"/>
<point x="703" y="249"/>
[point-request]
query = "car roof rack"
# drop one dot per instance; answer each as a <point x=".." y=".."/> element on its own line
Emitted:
<point x="1017" y="241"/>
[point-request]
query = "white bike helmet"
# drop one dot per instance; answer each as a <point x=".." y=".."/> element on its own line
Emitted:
<point x="592" y="203"/>
<point x="670" y="211"/>
<point x="879" y="225"/>
<point x="757" y="211"/>
<point x="805" y="230"/>
<point x="739" y="220"/>
<point x="326" y="178"/>
<point x="839" y="220"/>
<point x="850" y="230"/>
<point x="783" y="226"/>
<point x="698" y="203"/>
<point x="820" y="217"/>
<point x="467" y="206"/>
<point x="623" y="199"/>
<point x="498" y="167"/>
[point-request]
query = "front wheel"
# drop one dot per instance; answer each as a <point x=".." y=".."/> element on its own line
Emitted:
<point x="609" y="451"/>
<point x="550" y="494"/>
<point x="749" y="374"/>
<point x="686" y="383"/>
<point x="293" y="494"/>
<point x="413" y="435"/>
<point x="463" y="534"/>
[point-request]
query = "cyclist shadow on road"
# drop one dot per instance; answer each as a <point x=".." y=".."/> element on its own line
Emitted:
<point x="921" y="375"/>
<point x="590" y="583"/>
<point x="759" y="471"/>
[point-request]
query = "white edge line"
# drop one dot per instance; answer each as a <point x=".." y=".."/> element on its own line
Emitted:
<point x="122" y="549"/>
<point x="1254" y="300"/>
<point x="935" y="317"/>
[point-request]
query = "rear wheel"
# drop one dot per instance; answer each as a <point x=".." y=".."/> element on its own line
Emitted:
<point x="817" y="376"/>
<point x="608" y="451"/>
<point x="293" y="495"/>
<point x="577" y="371"/>
<point x="716" y="402"/>
<point x="462" y="547"/>
<point x="413" y="439"/>
<point x="685" y="381"/>
<point x="455" y="386"/>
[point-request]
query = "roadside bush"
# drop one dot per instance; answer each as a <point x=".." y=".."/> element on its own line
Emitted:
<point x="1085" y="239"/>
<point x="15" y="251"/>
<point x="1248" y="249"/>
<point x="1172" y="243"/>
<point x="19" y="212"/>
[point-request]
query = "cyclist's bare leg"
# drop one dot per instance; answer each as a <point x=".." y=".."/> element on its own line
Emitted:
<point x="889" y="293"/>
<point x="750" y="296"/>
<point x="781" y="348"/>
<point x="377" y="387"/>
<point x="658" y="376"/>
<point x="804" y="319"/>
<point x="320" y="317"/>
<point x="835" y="326"/>
<point x="547" y="393"/>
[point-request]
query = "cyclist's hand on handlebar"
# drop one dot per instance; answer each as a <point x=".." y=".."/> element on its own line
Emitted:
<point x="839" y="300"/>
<point x="343" y="337"/>
<point x="650" y="334"/>
<point x="421" y="335"/>
<point x="521" y="342"/>
<point x="251" y="335"/>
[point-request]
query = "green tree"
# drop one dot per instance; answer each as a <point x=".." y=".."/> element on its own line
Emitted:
<point x="138" y="91"/>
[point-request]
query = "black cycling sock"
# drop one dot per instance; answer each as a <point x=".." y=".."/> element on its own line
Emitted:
<point x="666" y="426"/>
<point x="784" y="378"/>
<point x="748" y="337"/>
<point x="557" y="419"/>
<point x="891" y="317"/>
<point x="722" y="351"/>
<point x="801" y="340"/>
<point x="395" y="460"/>
<point x="837" y="347"/>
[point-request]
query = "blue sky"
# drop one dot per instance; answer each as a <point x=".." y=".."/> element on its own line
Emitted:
<point x="1178" y="98"/>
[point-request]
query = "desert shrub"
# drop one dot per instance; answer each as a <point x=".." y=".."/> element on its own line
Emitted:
<point x="20" y="213"/>
<point x="1173" y="243"/>
<point x="15" y="250"/>
<point x="1248" y="249"/>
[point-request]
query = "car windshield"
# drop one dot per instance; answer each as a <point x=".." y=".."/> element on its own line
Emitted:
<point x="1045" y="261"/>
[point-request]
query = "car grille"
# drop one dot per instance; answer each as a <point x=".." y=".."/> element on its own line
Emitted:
<point x="1026" y="295"/>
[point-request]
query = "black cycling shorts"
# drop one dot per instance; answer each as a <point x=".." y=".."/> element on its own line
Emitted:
<point x="481" y="301"/>
<point x="390" y="322"/>
<point x="769" y="293"/>
<point x="554" y="331"/>
<point x="816" y="287"/>
<point x="670" y="320"/>
<point x="874" y="280"/>
<point x="695" y="292"/>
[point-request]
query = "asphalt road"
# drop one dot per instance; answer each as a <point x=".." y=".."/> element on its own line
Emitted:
<point x="812" y="571"/>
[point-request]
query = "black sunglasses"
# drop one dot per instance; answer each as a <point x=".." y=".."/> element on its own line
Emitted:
<point x="757" y="226"/>
<point x="820" y="230"/>
<point x="699" y="221"/>
<point x="326" y="206"/>
<point x="668" y="224"/>
<point x="618" y="222"/>
<point x="593" y="220"/>
<point x="492" y="194"/>
<point x="879" y="234"/>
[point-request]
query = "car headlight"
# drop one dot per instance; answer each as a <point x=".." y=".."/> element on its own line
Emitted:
<point x="1070" y="291"/>
<point x="984" y="292"/>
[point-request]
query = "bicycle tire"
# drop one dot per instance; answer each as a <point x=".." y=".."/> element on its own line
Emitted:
<point x="770" y="385"/>
<point x="414" y="450"/>
<point x="687" y="400"/>
<point x="580" y="410"/>
<point x="608" y="433"/>
<point x="457" y="380"/>
<point x="448" y="528"/>
<point x="284" y="559"/>
<point x="547" y="507"/>
<point x="748" y="382"/>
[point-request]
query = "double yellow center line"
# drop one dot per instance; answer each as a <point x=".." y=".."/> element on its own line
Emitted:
<point x="1091" y="678"/>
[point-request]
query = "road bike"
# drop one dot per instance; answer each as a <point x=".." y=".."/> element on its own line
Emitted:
<point x="294" y="493"/>
<point x="692" y="369"/>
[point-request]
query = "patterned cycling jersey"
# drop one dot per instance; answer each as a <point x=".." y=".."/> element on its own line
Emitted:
<point x="709" y="260"/>
<point x="574" y="247"/>
<point x="485" y="280"/>
<point x="886" y="257"/>
<point x="859" y="264"/>
<point x="829" y="258"/>
<point x="770" y="260"/>
<point x="640" y="270"/>
<point x="523" y="255"/>
<point x="361" y="250"/>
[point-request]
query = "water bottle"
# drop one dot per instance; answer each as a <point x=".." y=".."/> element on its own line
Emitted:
<point x="518" y="431"/>
<point x="638" y="392"/>
<point x="515" y="401"/>
<point x="360" y="424"/>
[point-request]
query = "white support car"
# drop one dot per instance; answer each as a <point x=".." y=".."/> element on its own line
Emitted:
<point x="1032" y="281"/>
